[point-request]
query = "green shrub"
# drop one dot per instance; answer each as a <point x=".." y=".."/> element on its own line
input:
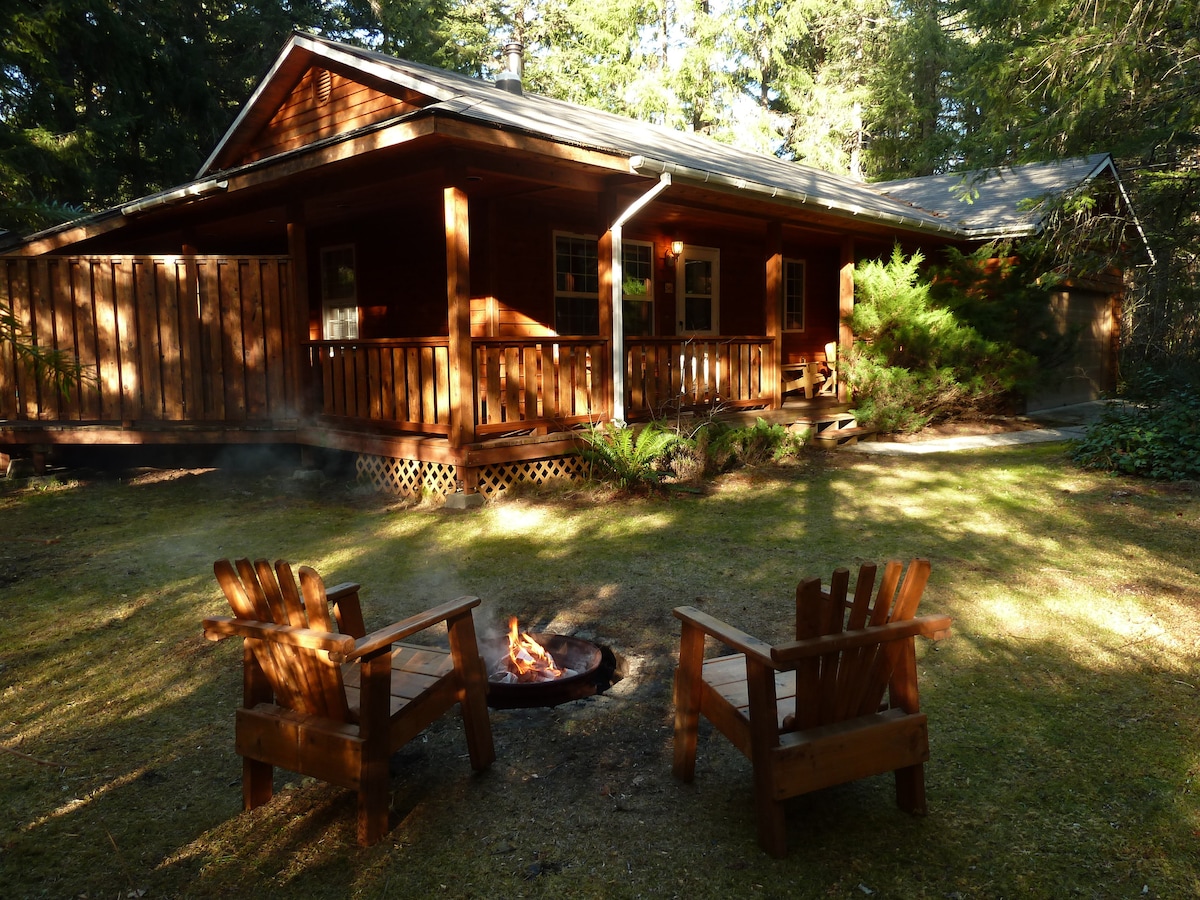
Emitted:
<point x="630" y="457"/>
<point x="915" y="362"/>
<point x="754" y="445"/>
<point x="1160" y="440"/>
<point x="646" y="456"/>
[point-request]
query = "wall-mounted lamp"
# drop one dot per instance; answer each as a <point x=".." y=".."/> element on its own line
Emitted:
<point x="674" y="251"/>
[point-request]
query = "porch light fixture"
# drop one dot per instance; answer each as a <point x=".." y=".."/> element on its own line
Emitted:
<point x="674" y="250"/>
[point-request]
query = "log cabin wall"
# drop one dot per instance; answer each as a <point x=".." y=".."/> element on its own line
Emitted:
<point x="161" y="339"/>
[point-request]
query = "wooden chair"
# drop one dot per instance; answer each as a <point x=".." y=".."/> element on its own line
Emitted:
<point x="335" y="704"/>
<point x="804" y="377"/>
<point x="830" y="382"/>
<point x="811" y="713"/>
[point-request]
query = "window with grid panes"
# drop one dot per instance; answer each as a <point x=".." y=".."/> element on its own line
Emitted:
<point x="637" y="287"/>
<point x="793" y="295"/>
<point x="576" y="285"/>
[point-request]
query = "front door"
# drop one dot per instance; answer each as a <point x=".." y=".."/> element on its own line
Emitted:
<point x="697" y="290"/>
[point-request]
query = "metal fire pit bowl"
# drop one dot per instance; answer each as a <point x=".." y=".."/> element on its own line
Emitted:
<point x="582" y="656"/>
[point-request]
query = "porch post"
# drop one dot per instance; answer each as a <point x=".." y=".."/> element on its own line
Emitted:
<point x="297" y="315"/>
<point x="458" y="301"/>
<point x="845" y="308"/>
<point x="608" y="252"/>
<point x="773" y="300"/>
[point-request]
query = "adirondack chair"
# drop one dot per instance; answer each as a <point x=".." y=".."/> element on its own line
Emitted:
<point x="829" y="385"/>
<point x="811" y="713"/>
<point x="332" y="701"/>
<point x="804" y="377"/>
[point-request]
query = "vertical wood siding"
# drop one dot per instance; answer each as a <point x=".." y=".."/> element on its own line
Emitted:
<point x="160" y="339"/>
<point x="322" y="104"/>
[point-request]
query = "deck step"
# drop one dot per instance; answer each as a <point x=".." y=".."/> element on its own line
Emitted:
<point x="832" y="438"/>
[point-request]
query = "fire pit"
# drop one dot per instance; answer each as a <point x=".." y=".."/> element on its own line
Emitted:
<point x="528" y="670"/>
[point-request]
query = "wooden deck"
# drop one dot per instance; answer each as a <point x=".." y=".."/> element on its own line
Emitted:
<point x="213" y="351"/>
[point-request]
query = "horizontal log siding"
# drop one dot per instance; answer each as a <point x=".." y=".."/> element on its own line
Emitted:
<point x="404" y="383"/>
<point x="161" y="339"/>
<point x="666" y="374"/>
<point x="540" y="384"/>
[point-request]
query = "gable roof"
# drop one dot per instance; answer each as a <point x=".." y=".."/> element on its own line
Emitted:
<point x="646" y="147"/>
<point x="920" y="205"/>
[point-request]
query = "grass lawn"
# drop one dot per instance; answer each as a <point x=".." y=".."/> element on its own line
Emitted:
<point x="1064" y="709"/>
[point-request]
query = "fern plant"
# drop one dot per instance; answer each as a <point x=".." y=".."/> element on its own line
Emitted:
<point x="631" y="458"/>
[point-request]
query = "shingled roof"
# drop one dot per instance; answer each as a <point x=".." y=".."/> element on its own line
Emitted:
<point x="1003" y="201"/>
<point x="998" y="203"/>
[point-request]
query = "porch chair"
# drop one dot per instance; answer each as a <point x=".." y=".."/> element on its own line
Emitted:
<point x="810" y="713"/>
<point x="807" y="381"/>
<point x="335" y="703"/>
<point x="829" y="385"/>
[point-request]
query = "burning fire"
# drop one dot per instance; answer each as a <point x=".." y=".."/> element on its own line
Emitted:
<point x="527" y="661"/>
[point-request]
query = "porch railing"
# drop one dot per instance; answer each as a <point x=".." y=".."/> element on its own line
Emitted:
<point x="521" y="384"/>
<point x="664" y="375"/>
<point x="540" y="383"/>
<point x="401" y="382"/>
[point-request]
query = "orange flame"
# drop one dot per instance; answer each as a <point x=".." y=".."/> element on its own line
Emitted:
<point x="527" y="659"/>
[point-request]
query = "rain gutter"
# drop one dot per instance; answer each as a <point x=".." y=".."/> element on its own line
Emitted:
<point x="188" y="192"/>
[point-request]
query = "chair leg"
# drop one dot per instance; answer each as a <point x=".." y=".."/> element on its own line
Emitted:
<point x="472" y="698"/>
<point x="374" y="783"/>
<point x="374" y="803"/>
<point x="687" y="702"/>
<point x="478" y="728"/>
<point x="257" y="778"/>
<point x="910" y="789"/>
<point x="772" y="827"/>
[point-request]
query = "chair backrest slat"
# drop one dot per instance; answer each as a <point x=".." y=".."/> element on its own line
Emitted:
<point x="316" y="603"/>
<point x="860" y="610"/>
<point x="851" y="683"/>
<point x="833" y="613"/>
<point x="301" y="678"/>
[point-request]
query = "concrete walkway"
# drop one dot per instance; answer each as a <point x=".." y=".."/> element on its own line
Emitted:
<point x="1066" y="423"/>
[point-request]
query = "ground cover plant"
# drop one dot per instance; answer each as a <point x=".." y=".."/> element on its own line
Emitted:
<point x="1157" y="438"/>
<point x="1064" y="709"/>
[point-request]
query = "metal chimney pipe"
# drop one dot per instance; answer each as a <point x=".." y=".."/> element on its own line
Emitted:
<point x="514" y="60"/>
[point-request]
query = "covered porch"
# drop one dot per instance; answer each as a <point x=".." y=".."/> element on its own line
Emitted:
<point x="214" y="351"/>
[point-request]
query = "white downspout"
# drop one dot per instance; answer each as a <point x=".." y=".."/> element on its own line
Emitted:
<point x="618" y="310"/>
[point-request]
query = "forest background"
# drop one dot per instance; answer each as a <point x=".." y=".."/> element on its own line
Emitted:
<point x="102" y="101"/>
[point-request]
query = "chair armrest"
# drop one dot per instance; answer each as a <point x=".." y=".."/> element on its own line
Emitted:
<point x="338" y="591"/>
<point x="398" y="631"/>
<point x="727" y="634"/>
<point x="220" y="627"/>
<point x="346" y="608"/>
<point x="935" y="627"/>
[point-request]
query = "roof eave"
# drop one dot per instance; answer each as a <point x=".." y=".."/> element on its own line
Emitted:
<point x="788" y="197"/>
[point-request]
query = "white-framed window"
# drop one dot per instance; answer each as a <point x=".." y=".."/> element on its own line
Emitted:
<point x="793" y="295"/>
<point x="637" y="287"/>
<point x="698" y="290"/>
<point x="576" y="284"/>
<point x="339" y="294"/>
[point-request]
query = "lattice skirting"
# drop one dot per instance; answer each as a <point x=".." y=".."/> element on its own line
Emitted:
<point x="413" y="478"/>
<point x="499" y="478"/>
<point x="405" y="477"/>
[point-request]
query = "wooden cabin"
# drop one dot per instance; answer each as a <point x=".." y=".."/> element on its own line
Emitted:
<point x="449" y="278"/>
